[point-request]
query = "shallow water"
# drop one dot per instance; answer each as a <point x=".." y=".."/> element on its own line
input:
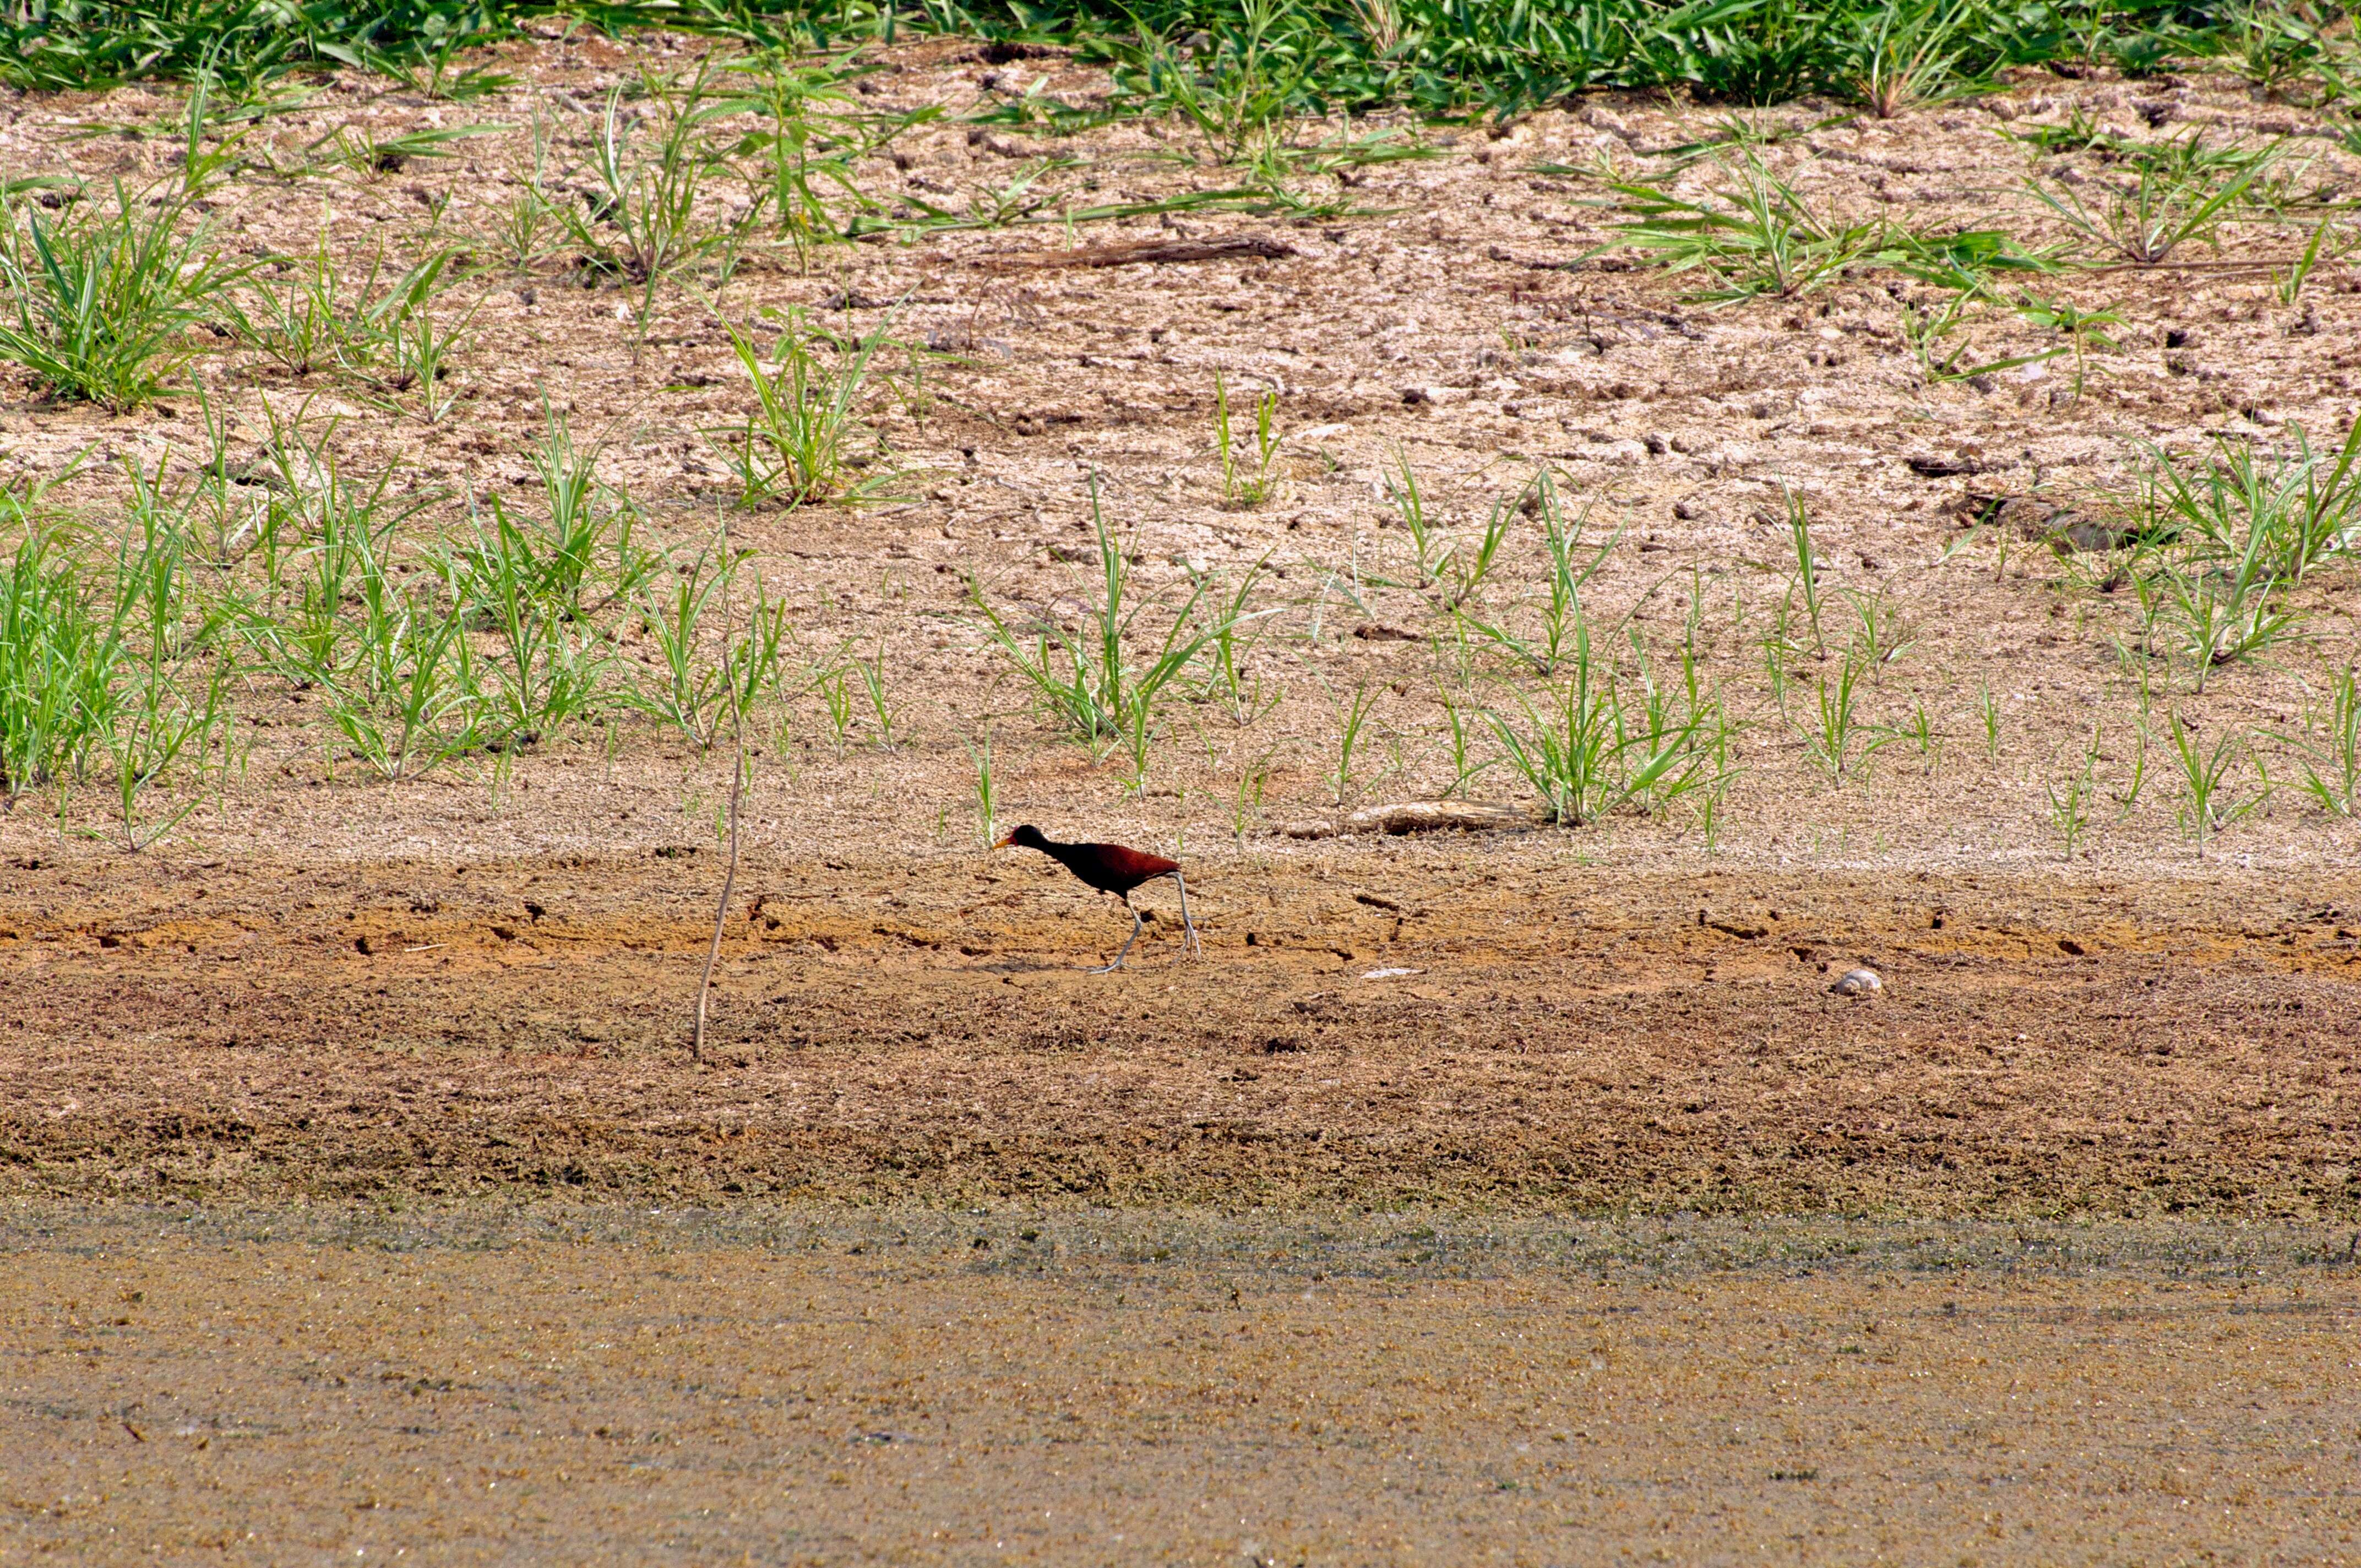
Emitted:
<point x="587" y="1385"/>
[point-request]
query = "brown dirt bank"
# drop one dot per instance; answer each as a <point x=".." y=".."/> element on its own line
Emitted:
<point x="1567" y="1036"/>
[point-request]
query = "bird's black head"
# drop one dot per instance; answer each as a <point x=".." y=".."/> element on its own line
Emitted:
<point x="1025" y="838"/>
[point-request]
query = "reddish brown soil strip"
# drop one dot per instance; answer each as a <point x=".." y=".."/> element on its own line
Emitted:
<point x="1562" y="1037"/>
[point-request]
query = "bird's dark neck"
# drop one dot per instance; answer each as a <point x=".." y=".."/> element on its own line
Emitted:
<point x="1064" y="854"/>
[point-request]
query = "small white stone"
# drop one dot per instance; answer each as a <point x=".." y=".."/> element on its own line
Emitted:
<point x="1858" y="982"/>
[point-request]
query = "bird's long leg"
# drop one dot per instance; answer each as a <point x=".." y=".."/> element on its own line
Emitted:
<point x="1135" y="918"/>
<point x="1189" y="943"/>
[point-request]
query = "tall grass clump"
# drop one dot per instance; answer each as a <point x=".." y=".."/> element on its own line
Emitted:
<point x="98" y="303"/>
<point x="415" y="701"/>
<point x="1568" y="566"/>
<point x="2163" y="200"/>
<point x="1906" y="54"/>
<point x="697" y="685"/>
<point x="1092" y="684"/>
<point x="1238" y="70"/>
<point x="112" y="663"/>
<point x="796" y="446"/>
<point x="1596" y="741"/>
<point x="2330" y="747"/>
<point x="1755" y="235"/>
<point x="2210" y="797"/>
<point x="59" y="659"/>
<point x="2220" y="543"/>
<point x="2298" y="508"/>
<point x="811" y="132"/>
<point x="170" y="701"/>
<point x="581" y="551"/>
<point x="537" y="583"/>
<point x="640" y="216"/>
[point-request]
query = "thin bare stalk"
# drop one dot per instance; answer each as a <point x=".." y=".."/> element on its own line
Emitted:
<point x="737" y="791"/>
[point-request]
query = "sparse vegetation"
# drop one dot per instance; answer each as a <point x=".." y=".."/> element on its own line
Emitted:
<point x="2159" y="202"/>
<point x="1249" y="478"/>
<point x="98" y="302"/>
<point x="421" y="625"/>
<point x="797" y="445"/>
<point x="1093" y="684"/>
<point x="60" y="656"/>
<point x="2070" y="803"/>
<point x="1756" y="234"/>
<point x="1598" y="741"/>
<point x="2330" y="746"/>
<point x="2211" y="797"/>
<point x="642" y="217"/>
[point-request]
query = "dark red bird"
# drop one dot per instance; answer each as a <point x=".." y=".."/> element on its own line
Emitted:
<point x="1112" y="868"/>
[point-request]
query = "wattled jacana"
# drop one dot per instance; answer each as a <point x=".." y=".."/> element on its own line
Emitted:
<point x="1111" y="868"/>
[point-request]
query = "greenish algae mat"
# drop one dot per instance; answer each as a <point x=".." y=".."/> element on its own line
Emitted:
<point x="580" y="1384"/>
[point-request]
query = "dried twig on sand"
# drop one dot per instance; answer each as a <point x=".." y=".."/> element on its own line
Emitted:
<point x="1137" y="252"/>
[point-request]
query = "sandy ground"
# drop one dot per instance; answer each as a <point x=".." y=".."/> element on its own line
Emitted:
<point x="1446" y="317"/>
<point x="596" y="1385"/>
